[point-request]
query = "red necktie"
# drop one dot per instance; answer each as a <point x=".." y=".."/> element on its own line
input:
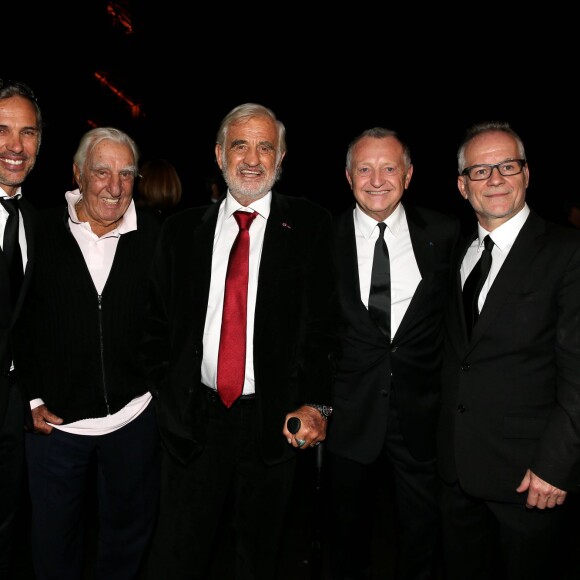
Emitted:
<point x="231" y="369"/>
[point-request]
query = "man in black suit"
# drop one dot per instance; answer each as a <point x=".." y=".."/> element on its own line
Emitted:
<point x="386" y="391"/>
<point x="213" y="449"/>
<point x="20" y="136"/>
<point x="509" y="430"/>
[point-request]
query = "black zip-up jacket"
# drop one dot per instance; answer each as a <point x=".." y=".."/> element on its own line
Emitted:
<point x="80" y="349"/>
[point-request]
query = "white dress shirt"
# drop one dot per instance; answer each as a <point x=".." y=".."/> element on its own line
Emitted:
<point x="225" y="234"/>
<point x="503" y="238"/>
<point x="405" y="274"/>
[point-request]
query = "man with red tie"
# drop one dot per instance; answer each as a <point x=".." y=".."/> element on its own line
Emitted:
<point x="240" y="338"/>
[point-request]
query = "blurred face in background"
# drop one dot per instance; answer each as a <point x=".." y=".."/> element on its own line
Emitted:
<point x="250" y="159"/>
<point x="19" y="141"/>
<point x="378" y="175"/>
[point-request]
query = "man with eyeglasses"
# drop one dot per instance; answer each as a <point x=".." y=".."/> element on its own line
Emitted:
<point x="509" y="428"/>
<point x="20" y="136"/>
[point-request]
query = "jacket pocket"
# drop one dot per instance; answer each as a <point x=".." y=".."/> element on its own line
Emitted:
<point x="523" y="427"/>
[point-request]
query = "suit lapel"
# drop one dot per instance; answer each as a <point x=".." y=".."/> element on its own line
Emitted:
<point x="459" y="336"/>
<point x="522" y="253"/>
<point x="423" y="246"/>
<point x="29" y="222"/>
<point x="199" y="257"/>
<point x="277" y="236"/>
<point x="347" y="259"/>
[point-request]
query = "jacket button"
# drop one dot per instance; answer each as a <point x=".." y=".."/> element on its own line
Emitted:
<point x="461" y="409"/>
<point x="465" y="366"/>
<point x="384" y="392"/>
<point x="394" y="349"/>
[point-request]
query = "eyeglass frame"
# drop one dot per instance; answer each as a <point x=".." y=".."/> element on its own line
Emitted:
<point x="497" y="166"/>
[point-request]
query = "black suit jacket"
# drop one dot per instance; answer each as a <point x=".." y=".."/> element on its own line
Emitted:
<point x="511" y="394"/>
<point x="10" y="342"/>
<point x="295" y="317"/>
<point x="370" y="366"/>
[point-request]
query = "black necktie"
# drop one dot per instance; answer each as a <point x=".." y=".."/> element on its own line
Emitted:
<point x="11" y="246"/>
<point x="474" y="283"/>
<point x="380" y="293"/>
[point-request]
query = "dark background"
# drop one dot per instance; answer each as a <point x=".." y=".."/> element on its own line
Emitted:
<point x="328" y="72"/>
<point x="328" y="77"/>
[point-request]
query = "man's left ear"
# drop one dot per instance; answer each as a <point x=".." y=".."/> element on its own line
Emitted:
<point x="77" y="175"/>
<point x="461" y="185"/>
<point x="527" y="175"/>
<point x="408" y="176"/>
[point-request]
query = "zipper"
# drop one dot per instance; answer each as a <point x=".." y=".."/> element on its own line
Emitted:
<point x="102" y="347"/>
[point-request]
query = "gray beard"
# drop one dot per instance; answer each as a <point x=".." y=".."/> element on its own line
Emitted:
<point x="249" y="193"/>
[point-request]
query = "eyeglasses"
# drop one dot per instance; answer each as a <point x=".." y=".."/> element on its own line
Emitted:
<point x="16" y="88"/>
<point x="505" y="168"/>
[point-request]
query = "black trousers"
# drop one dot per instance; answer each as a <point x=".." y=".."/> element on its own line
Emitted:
<point x="228" y="474"/>
<point x="11" y="475"/>
<point x="352" y="508"/>
<point x="128" y="474"/>
<point x="490" y="540"/>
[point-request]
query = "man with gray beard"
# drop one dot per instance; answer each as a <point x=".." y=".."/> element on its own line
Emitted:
<point x="224" y="395"/>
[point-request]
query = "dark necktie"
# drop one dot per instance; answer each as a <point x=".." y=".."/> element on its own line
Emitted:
<point x="231" y="369"/>
<point x="11" y="246"/>
<point x="474" y="283"/>
<point x="380" y="293"/>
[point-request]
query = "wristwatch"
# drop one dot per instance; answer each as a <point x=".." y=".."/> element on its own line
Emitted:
<point x="324" y="410"/>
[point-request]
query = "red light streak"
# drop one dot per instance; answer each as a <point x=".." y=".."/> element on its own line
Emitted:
<point x="135" y="107"/>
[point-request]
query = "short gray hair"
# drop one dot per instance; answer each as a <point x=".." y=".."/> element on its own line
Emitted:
<point x="487" y="127"/>
<point x="95" y="136"/>
<point x="377" y="133"/>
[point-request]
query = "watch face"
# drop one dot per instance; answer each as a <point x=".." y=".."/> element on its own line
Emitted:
<point x="324" y="410"/>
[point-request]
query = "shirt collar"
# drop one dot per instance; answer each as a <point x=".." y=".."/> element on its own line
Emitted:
<point x="127" y="224"/>
<point x="504" y="235"/>
<point x="262" y="205"/>
<point x="17" y="195"/>
<point x="366" y="224"/>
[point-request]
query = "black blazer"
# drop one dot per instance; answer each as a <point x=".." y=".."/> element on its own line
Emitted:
<point x="369" y="366"/>
<point x="295" y="318"/>
<point x="511" y="394"/>
<point x="8" y="317"/>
